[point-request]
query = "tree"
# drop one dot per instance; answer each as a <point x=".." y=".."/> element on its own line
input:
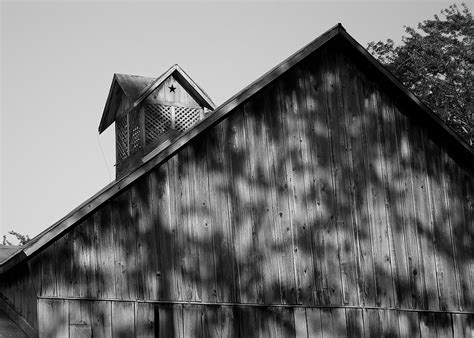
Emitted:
<point x="436" y="63"/>
<point x="22" y="239"/>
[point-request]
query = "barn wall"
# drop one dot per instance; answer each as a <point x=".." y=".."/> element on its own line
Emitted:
<point x="80" y="318"/>
<point x="320" y="196"/>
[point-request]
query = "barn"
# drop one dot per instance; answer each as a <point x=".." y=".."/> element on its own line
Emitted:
<point x="324" y="199"/>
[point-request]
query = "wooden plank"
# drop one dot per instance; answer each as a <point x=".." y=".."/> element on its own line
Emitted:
<point x="164" y="276"/>
<point x="230" y="325"/>
<point x="64" y="265"/>
<point x="327" y="325"/>
<point x="211" y="321"/>
<point x="443" y="213"/>
<point x="192" y="320"/>
<point x="80" y="318"/>
<point x="270" y="235"/>
<point x="294" y="131"/>
<point x="124" y="246"/>
<point x="191" y="288"/>
<point x="355" y="322"/>
<point x="414" y="253"/>
<point x="48" y="275"/>
<point x="79" y="312"/>
<point x="317" y="155"/>
<point x="101" y="319"/>
<point x="145" y="252"/>
<point x="241" y="215"/>
<point x="444" y="325"/>
<point x="282" y="166"/>
<point x="463" y="325"/>
<point x="304" y="204"/>
<point x="346" y="214"/>
<point x="395" y="183"/>
<point x="145" y="320"/>
<point x="301" y="329"/>
<point x="123" y="319"/>
<point x="372" y="324"/>
<point x="459" y="197"/>
<point x="314" y="322"/>
<point x="219" y="174"/>
<point x="408" y="323"/>
<point x="332" y="289"/>
<point x="380" y="228"/>
<point x="427" y="324"/>
<point x="258" y="191"/>
<point x="204" y="226"/>
<point x="105" y="252"/>
<point x="286" y="317"/>
<point x="174" y="233"/>
<point x="422" y="220"/>
<point x="362" y="185"/>
<point x="80" y="331"/>
<point x="168" y="320"/>
<point x="53" y="318"/>
<point x="248" y="325"/>
<point x="389" y="321"/>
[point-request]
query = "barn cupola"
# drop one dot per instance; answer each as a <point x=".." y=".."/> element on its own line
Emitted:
<point x="150" y="111"/>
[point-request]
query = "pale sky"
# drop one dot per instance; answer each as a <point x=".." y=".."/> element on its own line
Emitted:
<point x="58" y="59"/>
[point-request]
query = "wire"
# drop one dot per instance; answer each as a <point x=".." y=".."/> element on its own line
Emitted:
<point x="103" y="156"/>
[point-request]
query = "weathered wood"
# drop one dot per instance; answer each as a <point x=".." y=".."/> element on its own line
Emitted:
<point x="203" y="223"/>
<point x="422" y="222"/>
<point x="145" y="320"/>
<point x="123" y="319"/>
<point x="304" y="206"/>
<point x="355" y="322"/>
<point x="101" y="319"/>
<point x="346" y="216"/>
<point x="124" y="250"/>
<point x="53" y="318"/>
<point x="258" y="194"/>
<point x="362" y="184"/>
<point x="320" y="190"/>
<point x="332" y="289"/>
<point x="408" y="323"/>
<point x="218" y="171"/>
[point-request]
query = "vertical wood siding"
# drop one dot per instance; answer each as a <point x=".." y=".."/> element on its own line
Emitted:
<point x="320" y="191"/>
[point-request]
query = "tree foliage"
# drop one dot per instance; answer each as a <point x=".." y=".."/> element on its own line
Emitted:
<point x="22" y="239"/>
<point x="435" y="62"/>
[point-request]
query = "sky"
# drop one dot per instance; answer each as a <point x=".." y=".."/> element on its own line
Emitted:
<point x="57" y="60"/>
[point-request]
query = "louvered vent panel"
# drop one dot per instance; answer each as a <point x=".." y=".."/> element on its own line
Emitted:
<point x="186" y="117"/>
<point x="122" y="138"/>
<point x="157" y="121"/>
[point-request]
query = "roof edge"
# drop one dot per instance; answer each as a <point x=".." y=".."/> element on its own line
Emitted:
<point x="400" y="86"/>
<point x="103" y="123"/>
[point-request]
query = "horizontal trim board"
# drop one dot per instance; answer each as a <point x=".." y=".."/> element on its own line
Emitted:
<point x="177" y="302"/>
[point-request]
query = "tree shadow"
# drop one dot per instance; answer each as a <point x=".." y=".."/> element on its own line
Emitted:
<point x="320" y="206"/>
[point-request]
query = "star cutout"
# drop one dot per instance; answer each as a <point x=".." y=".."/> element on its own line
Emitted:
<point x="172" y="88"/>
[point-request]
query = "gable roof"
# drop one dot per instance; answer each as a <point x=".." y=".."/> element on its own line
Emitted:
<point x="170" y="147"/>
<point x="138" y="88"/>
<point x="7" y="250"/>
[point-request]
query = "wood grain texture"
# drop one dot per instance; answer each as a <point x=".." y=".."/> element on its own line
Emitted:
<point x="321" y="190"/>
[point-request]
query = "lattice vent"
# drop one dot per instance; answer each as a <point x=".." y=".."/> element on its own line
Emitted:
<point x="186" y="117"/>
<point x="121" y="143"/>
<point x="157" y="121"/>
<point x="134" y="128"/>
